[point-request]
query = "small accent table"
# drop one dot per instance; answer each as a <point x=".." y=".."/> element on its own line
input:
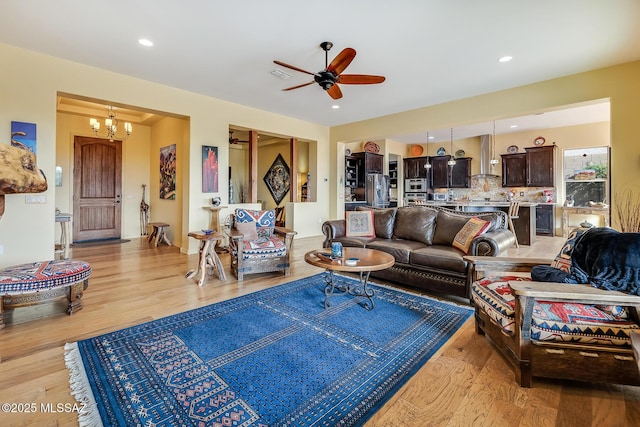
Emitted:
<point x="65" y="234"/>
<point x="588" y="210"/>
<point x="208" y="257"/>
<point x="159" y="233"/>
<point x="369" y="260"/>
<point x="214" y="224"/>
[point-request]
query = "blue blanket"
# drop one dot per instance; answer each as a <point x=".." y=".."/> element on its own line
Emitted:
<point x="272" y="358"/>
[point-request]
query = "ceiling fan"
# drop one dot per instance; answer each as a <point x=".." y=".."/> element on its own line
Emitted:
<point x="329" y="78"/>
<point x="233" y="140"/>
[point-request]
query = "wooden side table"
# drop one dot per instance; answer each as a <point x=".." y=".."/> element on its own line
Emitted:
<point x="214" y="224"/>
<point x="588" y="210"/>
<point x="65" y="234"/>
<point x="208" y="257"/>
<point x="158" y="233"/>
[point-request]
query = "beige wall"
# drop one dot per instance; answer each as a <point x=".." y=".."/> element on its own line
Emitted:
<point x="29" y="86"/>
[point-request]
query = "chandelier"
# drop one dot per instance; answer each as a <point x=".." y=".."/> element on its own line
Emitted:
<point x="111" y="125"/>
<point x="452" y="159"/>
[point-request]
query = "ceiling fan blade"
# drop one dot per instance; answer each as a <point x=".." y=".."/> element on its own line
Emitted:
<point x="359" y="79"/>
<point x="342" y="61"/>
<point x="299" y="86"/>
<point x="334" y="91"/>
<point x="294" y="68"/>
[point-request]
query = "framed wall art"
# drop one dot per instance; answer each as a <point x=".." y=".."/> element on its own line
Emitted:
<point x="209" y="169"/>
<point x="23" y="135"/>
<point x="168" y="172"/>
<point x="278" y="179"/>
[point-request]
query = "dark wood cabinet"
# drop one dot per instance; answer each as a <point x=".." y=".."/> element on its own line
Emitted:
<point x="545" y="220"/>
<point x="440" y="171"/>
<point x="541" y="166"/>
<point x="445" y="176"/>
<point x="351" y="169"/>
<point x="414" y="167"/>
<point x="373" y="163"/>
<point x="461" y="173"/>
<point x="514" y="170"/>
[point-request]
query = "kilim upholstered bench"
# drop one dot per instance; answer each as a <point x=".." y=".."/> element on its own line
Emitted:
<point x="43" y="281"/>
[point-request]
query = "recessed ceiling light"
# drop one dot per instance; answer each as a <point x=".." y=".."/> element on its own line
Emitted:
<point x="505" y="58"/>
<point x="513" y="126"/>
<point x="145" y="42"/>
<point x="432" y="137"/>
<point x="335" y="106"/>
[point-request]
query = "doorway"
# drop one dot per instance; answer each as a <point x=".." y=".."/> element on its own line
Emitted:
<point x="97" y="188"/>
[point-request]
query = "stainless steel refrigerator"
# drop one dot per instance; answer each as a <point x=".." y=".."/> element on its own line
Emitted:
<point x="377" y="190"/>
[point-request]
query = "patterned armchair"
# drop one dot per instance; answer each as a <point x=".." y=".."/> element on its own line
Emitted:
<point x="257" y="245"/>
<point x="558" y="327"/>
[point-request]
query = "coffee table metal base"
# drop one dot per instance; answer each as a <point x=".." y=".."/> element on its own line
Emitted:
<point x="359" y="289"/>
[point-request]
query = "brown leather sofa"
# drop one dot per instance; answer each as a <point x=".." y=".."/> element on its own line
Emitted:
<point x="420" y="239"/>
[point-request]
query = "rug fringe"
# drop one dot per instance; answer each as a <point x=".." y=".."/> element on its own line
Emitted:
<point x="80" y="387"/>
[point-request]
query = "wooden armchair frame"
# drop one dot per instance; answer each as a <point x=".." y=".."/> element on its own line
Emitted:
<point x="570" y="361"/>
<point x="240" y="266"/>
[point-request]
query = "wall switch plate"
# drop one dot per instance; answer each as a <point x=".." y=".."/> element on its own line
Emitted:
<point x="35" y="199"/>
<point x="521" y="193"/>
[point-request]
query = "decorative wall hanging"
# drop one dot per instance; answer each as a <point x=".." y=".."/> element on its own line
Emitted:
<point x="168" y="172"/>
<point x="23" y="135"/>
<point x="209" y="169"/>
<point x="278" y="179"/>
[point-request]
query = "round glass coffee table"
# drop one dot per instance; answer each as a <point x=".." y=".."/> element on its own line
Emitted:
<point x="368" y="260"/>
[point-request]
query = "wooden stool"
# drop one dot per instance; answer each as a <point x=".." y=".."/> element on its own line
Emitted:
<point x="159" y="233"/>
<point x="43" y="281"/>
<point x="208" y="256"/>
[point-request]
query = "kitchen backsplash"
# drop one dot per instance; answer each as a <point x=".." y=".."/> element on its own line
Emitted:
<point x="486" y="187"/>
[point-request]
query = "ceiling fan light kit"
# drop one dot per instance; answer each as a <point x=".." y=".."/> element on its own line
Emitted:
<point x="329" y="78"/>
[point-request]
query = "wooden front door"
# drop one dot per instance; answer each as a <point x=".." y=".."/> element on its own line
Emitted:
<point x="97" y="181"/>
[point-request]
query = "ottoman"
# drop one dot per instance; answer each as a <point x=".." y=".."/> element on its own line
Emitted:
<point x="43" y="281"/>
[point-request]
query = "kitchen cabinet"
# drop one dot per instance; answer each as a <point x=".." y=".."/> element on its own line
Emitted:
<point x="445" y="176"/>
<point x="414" y="167"/>
<point x="461" y="173"/>
<point x="351" y="168"/>
<point x="439" y="171"/>
<point x="545" y="220"/>
<point x="514" y="170"/>
<point x="541" y="166"/>
<point x="393" y="174"/>
<point x="372" y="162"/>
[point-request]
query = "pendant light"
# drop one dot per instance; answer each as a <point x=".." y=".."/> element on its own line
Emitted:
<point x="428" y="164"/>
<point x="451" y="161"/>
<point x="493" y="162"/>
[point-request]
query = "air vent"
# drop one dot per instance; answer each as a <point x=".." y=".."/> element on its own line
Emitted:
<point x="280" y="74"/>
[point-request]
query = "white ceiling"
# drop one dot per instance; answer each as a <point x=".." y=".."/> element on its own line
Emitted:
<point x="431" y="51"/>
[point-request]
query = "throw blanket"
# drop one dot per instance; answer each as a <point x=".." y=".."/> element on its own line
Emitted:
<point x="607" y="259"/>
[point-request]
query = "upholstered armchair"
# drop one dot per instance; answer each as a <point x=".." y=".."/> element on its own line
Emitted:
<point x="559" y="328"/>
<point x="257" y="245"/>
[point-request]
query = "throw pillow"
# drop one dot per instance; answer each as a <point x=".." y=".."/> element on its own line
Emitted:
<point x="563" y="260"/>
<point x="248" y="230"/>
<point x="360" y="224"/>
<point x="473" y="228"/>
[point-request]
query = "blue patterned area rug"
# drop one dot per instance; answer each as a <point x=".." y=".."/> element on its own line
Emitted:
<point x="276" y="357"/>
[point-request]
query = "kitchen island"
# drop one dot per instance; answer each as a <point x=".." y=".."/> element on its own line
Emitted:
<point x="525" y="225"/>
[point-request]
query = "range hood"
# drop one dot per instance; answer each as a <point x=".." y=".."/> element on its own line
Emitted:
<point x="485" y="159"/>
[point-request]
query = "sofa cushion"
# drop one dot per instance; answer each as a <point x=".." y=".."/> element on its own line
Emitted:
<point x="562" y="261"/>
<point x="439" y="257"/>
<point x="383" y="220"/>
<point x="552" y="321"/>
<point x="400" y="249"/>
<point x="248" y="230"/>
<point x="473" y="228"/>
<point x="416" y="223"/>
<point x="265" y="220"/>
<point x="359" y="224"/>
<point x="447" y="226"/>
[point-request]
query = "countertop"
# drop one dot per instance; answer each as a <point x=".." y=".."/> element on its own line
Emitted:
<point x="497" y="204"/>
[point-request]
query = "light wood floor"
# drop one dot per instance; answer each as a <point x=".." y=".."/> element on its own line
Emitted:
<point x="464" y="384"/>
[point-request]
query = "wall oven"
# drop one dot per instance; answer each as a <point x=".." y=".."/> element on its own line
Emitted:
<point x="415" y="185"/>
